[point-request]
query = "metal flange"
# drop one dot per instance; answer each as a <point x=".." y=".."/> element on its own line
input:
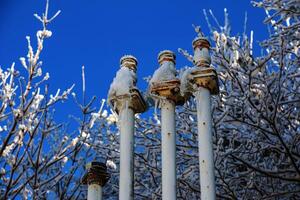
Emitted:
<point x="201" y="42"/>
<point x="166" y="55"/>
<point x="96" y="174"/>
<point x="129" y="61"/>
<point x="168" y="89"/>
<point x="135" y="101"/>
<point x="207" y="78"/>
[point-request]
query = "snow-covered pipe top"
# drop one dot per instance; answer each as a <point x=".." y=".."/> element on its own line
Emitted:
<point x="129" y="61"/>
<point x="166" y="71"/>
<point x="201" y="52"/>
<point x="166" y="55"/>
<point x="125" y="78"/>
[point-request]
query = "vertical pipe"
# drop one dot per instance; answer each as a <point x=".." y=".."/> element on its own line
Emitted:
<point x="126" y="100"/>
<point x="95" y="177"/>
<point x="206" y="158"/>
<point x="168" y="150"/>
<point x="94" y="192"/>
<point x="126" y="151"/>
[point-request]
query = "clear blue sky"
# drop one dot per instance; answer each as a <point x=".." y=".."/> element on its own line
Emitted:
<point x="97" y="33"/>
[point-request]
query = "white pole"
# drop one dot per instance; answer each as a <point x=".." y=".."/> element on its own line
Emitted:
<point x="206" y="158"/>
<point x="168" y="150"/>
<point x="126" y="151"/>
<point x="94" y="192"/>
<point x="126" y="100"/>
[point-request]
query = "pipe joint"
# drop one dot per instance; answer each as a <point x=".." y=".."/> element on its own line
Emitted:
<point x="201" y="42"/>
<point x="166" y="55"/>
<point x="134" y="100"/>
<point x="167" y="85"/>
<point x="129" y="61"/>
<point x="169" y="90"/>
<point x="207" y="78"/>
<point x="96" y="174"/>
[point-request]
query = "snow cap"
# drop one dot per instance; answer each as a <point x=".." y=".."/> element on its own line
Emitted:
<point x="201" y="42"/>
<point x="166" y="55"/>
<point x="129" y="61"/>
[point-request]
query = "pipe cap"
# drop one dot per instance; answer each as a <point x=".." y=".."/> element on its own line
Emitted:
<point x="201" y="42"/>
<point x="129" y="61"/>
<point x="96" y="173"/>
<point x="166" y="55"/>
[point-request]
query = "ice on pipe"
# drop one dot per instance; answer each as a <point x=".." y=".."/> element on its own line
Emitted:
<point x="200" y="54"/>
<point x="165" y="72"/>
<point x="125" y="80"/>
<point x="185" y="78"/>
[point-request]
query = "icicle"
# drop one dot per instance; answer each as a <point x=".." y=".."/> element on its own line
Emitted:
<point x="83" y="79"/>
<point x="12" y="69"/>
<point x="251" y="42"/>
<point x="245" y="24"/>
<point x="227" y="24"/>
<point x="288" y="21"/>
<point x="184" y="86"/>
<point x="156" y="103"/>
<point x="102" y="105"/>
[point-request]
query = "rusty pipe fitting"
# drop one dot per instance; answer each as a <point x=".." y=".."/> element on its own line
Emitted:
<point x="96" y="174"/>
<point x="129" y="62"/>
<point x="201" y="42"/>
<point x="166" y="55"/>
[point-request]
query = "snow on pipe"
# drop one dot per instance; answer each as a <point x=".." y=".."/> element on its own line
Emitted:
<point x="164" y="87"/>
<point x="126" y="100"/>
<point x="95" y="177"/>
<point x="206" y="81"/>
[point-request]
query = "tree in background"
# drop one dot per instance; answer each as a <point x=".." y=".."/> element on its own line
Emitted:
<point x="256" y="118"/>
<point x="40" y="158"/>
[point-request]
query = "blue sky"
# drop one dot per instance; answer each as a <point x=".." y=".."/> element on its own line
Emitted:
<point x="97" y="33"/>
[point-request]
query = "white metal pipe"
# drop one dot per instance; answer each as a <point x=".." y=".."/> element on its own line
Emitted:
<point x="168" y="150"/>
<point x="206" y="158"/>
<point x="202" y="54"/>
<point x="94" y="192"/>
<point x="126" y="154"/>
